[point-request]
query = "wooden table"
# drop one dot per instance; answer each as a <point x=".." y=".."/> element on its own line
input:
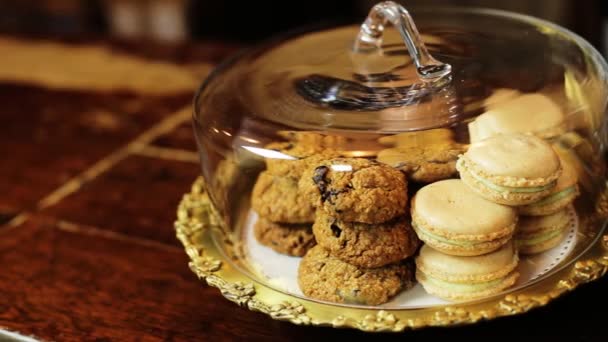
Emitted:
<point x="97" y="151"/>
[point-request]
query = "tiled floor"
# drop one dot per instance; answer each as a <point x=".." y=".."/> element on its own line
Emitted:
<point x="75" y="282"/>
<point x="49" y="136"/>
<point x="132" y="198"/>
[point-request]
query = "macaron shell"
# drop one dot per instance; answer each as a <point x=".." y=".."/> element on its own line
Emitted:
<point x="447" y="294"/>
<point x="472" y="269"/>
<point x="514" y="160"/>
<point x="529" y="225"/>
<point x="500" y="96"/>
<point x="543" y="246"/>
<point x="567" y="179"/>
<point x="477" y="249"/>
<point x="551" y="208"/>
<point x="505" y="198"/>
<point x="509" y="113"/>
<point x="450" y="209"/>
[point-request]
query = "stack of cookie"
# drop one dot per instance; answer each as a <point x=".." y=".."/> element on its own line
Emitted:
<point x="285" y="220"/>
<point x="424" y="156"/>
<point x="363" y="237"/>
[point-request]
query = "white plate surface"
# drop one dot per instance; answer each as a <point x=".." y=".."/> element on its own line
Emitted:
<point x="281" y="271"/>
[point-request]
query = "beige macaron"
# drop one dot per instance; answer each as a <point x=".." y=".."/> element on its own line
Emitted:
<point x="452" y="218"/>
<point x="528" y="113"/>
<point x="499" y="97"/>
<point x="511" y="169"/>
<point x="464" y="278"/>
<point x="564" y="193"/>
<point x="537" y="234"/>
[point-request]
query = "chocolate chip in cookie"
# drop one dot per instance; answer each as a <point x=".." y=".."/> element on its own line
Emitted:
<point x="356" y="189"/>
<point x="366" y="245"/>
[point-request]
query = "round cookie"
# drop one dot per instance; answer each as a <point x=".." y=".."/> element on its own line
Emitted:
<point x="424" y="164"/>
<point x="537" y="234"/>
<point x="279" y="199"/>
<point x="464" y="278"/>
<point x="564" y="193"/>
<point x="528" y="113"/>
<point x="419" y="138"/>
<point x="365" y="245"/>
<point x="290" y="239"/>
<point x="324" y="277"/>
<point x="294" y="158"/>
<point x="356" y="189"/>
<point x="324" y="140"/>
<point x="452" y="218"/>
<point x="514" y="169"/>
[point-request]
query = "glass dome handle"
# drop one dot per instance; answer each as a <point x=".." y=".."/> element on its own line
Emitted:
<point x="369" y="39"/>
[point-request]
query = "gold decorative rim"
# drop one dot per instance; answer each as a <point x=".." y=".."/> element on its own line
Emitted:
<point x="196" y="220"/>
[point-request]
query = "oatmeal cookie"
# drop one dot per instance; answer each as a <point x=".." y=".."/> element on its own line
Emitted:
<point x="424" y="164"/>
<point x="324" y="277"/>
<point x="356" y="189"/>
<point x="365" y="245"/>
<point x="295" y="158"/>
<point x="290" y="239"/>
<point x="419" y="138"/>
<point x="321" y="139"/>
<point x="279" y="199"/>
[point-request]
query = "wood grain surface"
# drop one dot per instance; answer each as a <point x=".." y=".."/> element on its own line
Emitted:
<point x="91" y="175"/>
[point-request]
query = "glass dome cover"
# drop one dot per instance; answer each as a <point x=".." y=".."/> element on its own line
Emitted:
<point x="413" y="96"/>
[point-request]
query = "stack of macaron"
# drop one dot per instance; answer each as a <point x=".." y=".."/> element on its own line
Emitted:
<point x="544" y="223"/>
<point x="468" y="251"/>
<point x="525" y="172"/>
<point x="511" y="197"/>
<point x="285" y="220"/>
<point x="364" y="238"/>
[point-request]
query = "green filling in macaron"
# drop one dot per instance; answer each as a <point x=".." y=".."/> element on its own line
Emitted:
<point x="463" y="288"/>
<point x="555" y="197"/>
<point x="537" y="238"/>
<point x="501" y="188"/>
<point x="426" y="233"/>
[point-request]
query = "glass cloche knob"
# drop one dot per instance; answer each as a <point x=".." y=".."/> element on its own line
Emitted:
<point x="369" y="39"/>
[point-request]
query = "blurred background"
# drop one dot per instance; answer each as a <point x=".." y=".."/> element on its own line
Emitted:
<point x="245" y="22"/>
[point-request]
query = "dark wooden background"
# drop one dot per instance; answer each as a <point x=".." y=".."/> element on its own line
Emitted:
<point x="89" y="182"/>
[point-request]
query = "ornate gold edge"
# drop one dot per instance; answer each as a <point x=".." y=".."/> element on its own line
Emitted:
<point x="195" y="215"/>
